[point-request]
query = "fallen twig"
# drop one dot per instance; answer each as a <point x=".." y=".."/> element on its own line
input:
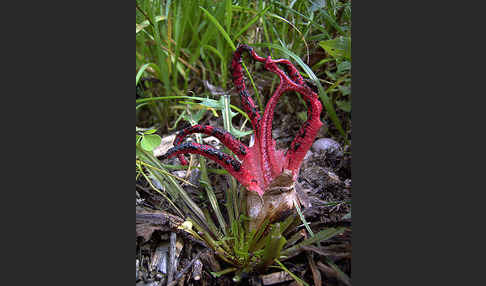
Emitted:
<point x="316" y="275"/>
<point x="331" y="272"/>
<point x="172" y="258"/>
<point x="184" y="270"/>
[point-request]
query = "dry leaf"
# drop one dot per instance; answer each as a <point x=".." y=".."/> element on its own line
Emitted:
<point x="165" y="145"/>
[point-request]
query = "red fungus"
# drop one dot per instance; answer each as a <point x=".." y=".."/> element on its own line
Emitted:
<point x="262" y="166"/>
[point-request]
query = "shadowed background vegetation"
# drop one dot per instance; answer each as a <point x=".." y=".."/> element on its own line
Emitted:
<point x="181" y="44"/>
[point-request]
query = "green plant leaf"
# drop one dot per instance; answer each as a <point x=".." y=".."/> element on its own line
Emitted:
<point x="221" y="273"/>
<point x="251" y="22"/>
<point x="228" y="11"/>
<point x="194" y="118"/>
<point x="304" y="221"/>
<point x="345" y="90"/>
<point x="302" y="116"/>
<point x="343" y="67"/>
<point x="318" y="237"/>
<point x="299" y="281"/>
<point x="146" y="23"/>
<point x="142" y="70"/>
<point x="344" y="105"/>
<point x="228" y="115"/>
<point x="150" y="131"/>
<point x="338" y="48"/>
<point x="220" y="28"/>
<point x="204" y="101"/>
<point x="140" y="105"/>
<point x="150" y="142"/>
<point x="274" y="244"/>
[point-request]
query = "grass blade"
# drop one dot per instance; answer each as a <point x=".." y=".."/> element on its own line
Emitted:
<point x="252" y="21"/>
<point x="302" y="218"/>
<point x="297" y="279"/>
<point x="220" y="28"/>
<point x="320" y="236"/>
<point x="205" y="101"/>
<point x="274" y="244"/>
<point x="142" y="70"/>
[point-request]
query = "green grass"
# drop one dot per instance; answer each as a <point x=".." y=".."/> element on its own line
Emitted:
<point x="182" y="43"/>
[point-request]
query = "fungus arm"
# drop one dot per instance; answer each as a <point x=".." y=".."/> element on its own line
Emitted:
<point x="229" y="163"/>
<point x="237" y="73"/>
<point x="224" y="136"/>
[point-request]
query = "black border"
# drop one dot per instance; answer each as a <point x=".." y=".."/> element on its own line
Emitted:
<point x="417" y="169"/>
<point x="68" y="204"/>
<point x="416" y="153"/>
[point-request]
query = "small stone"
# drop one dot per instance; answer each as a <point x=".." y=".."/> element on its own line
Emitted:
<point x="329" y="146"/>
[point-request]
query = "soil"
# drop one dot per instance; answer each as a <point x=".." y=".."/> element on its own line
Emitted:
<point x="325" y="184"/>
